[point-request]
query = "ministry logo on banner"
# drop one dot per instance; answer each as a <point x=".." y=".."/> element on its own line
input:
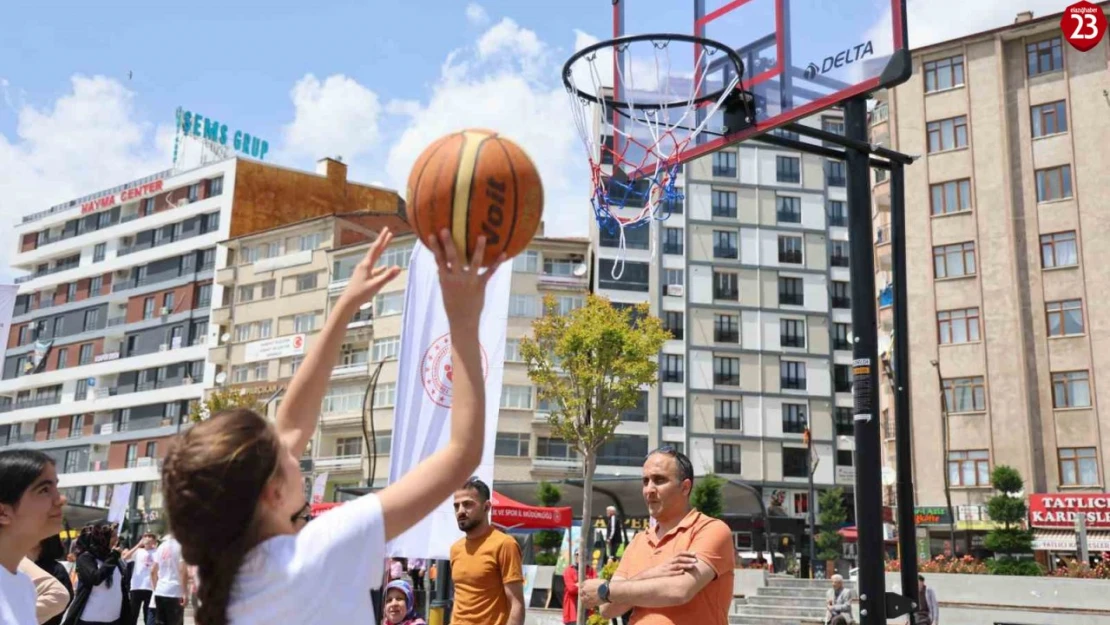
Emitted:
<point x="425" y="388"/>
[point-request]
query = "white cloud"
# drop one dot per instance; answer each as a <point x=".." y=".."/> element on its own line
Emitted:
<point x="90" y="139"/>
<point x="335" y="117"/>
<point x="476" y="15"/>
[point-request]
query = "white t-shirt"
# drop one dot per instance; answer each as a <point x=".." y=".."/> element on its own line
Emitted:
<point x="104" y="603"/>
<point x="17" y="599"/>
<point x="140" y="574"/>
<point x="168" y="557"/>
<point x="323" y="574"/>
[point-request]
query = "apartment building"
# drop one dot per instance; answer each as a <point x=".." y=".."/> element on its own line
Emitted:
<point x="305" y="266"/>
<point x="750" y="274"/>
<point x="1007" y="257"/>
<point x="109" y="339"/>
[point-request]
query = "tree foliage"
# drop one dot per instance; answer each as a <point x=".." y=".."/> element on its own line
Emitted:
<point x="708" y="497"/>
<point x="832" y="518"/>
<point x="225" y="398"/>
<point x="1012" y="539"/>
<point x="548" y="541"/>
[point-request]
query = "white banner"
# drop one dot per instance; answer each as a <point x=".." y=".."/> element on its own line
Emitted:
<point x="319" y="485"/>
<point x="421" y="416"/>
<point x="280" y="347"/>
<point x="7" y="309"/>
<point x="121" y="501"/>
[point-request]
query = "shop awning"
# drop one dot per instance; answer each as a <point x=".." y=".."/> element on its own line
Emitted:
<point x="512" y="514"/>
<point x="1065" y="540"/>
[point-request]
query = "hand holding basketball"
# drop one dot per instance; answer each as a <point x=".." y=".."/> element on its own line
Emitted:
<point x="462" y="281"/>
<point x="366" y="280"/>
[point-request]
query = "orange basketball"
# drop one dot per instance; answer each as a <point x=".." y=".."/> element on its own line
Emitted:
<point x="476" y="182"/>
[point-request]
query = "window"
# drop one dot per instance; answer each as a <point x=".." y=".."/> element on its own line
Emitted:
<point x="268" y="289"/>
<point x="151" y="450"/>
<point x="843" y="421"/>
<point x="726" y="328"/>
<point x="63" y="357"/>
<point x="133" y="451"/>
<point x="389" y="348"/>
<point x="674" y="323"/>
<point x="634" y="278"/>
<point x="969" y="468"/>
<point x="244" y="294"/>
<point x="725" y="286"/>
<point x="343" y="399"/>
<point x="215" y="186"/>
<point x="1078" y="466"/>
<point x="842" y="379"/>
<point x="834" y="173"/>
<point x="792" y="332"/>
<point x="59" y="326"/>
<point x="92" y="318"/>
<point x="965" y="394"/>
<point x="674" y="411"/>
<point x="99" y="251"/>
<point x="794" y="420"/>
<point x="265" y="329"/>
<point x="52" y="428"/>
<point x="385" y="395"/>
<point x="1059" y="250"/>
<point x="724" y="204"/>
<point x="304" y="323"/>
<point x="835" y="126"/>
<point x="840" y="332"/>
<point x="1071" y="389"/>
<point x="726" y="371"/>
<point x="673" y="276"/>
<point x="672" y="240"/>
<point x="516" y="397"/>
<point x="194" y="192"/>
<point x="85" y="356"/>
<point x="790" y="249"/>
<point x="511" y="444"/>
<point x="789" y="210"/>
<point x="838" y="214"/>
<point x="944" y="74"/>
<point x="958" y="326"/>
<point x="947" y="134"/>
<point x="1050" y="119"/>
<point x="841" y="294"/>
<point x="527" y="262"/>
<point x="726" y="458"/>
<point x="726" y="414"/>
<point x="148" y="308"/>
<point x="261" y="371"/>
<point x="399" y="256"/>
<point x="634" y="239"/>
<point x="1064" y="318"/>
<point x="795" y="462"/>
<point x="311" y="241"/>
<point x="389" y="303"/>
<point x="672" y="367"/>
<point x="554" y="449"/>
<point x="82" y="391"/>
<point x="793" y="375"/>
<point x="724" y="244"/>
<point x="950" y="197"/>
<point x="1054" y="183"/>
<point x="95" y="284"/>
<point x="724" y="164"/>
<point x="839" y="255"/>
<point x="512" y="350"/>
<point x="523" y="306"/>
<point x="788" y="169"/>
<point x="306" y="282"/>
<point x="954" y="261"/>
<point x="167" y="301"/>
<point x="790" y="292"/>
<point x="348" y="447"/>
<point x="204" y="296"/>
<point x="1045" y="56"/>
<point x="76" y="425"/>
<point x="242" y="332"/>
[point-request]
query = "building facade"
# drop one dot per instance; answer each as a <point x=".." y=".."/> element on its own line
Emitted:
<point x="1007" y="257"/>
<point x="111" y="330"/>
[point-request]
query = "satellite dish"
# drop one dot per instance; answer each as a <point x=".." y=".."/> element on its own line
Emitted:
<point x="581" y="270"/>
<point x="221" y="377"/>
<point x="225" y="337"/>
<point x="851" y="337"/>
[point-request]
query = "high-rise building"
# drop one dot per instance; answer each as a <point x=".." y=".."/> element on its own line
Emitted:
<point x="1007" y="254"/>
<point x="111" y="328"/>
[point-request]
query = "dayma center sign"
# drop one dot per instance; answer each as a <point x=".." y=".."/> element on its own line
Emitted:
<point x="197" y="125"/>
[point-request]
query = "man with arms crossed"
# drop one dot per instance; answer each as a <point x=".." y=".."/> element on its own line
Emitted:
<point x="485" y="565"/>
<point x="681" y="570"/>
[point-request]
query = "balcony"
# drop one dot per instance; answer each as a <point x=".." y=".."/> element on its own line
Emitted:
<point x="726" y="379"/>
<point x="37" y="402"/>
<point x="788" y="216"/>
<point x="46" y="272"/>
<point x="842" y="302"/>
<point x="791" y="299"/>
<point x="790" y="257"/>
<point x="339" y="463"/>
<point x="836" y="181"/>
<point x="107" y="367"/>
<point x="672" y="248"/>
<point x="792" y="340"/>
<point x="725" y="252"/>
<point x="671" y="376"/>
<point x="882" y="235"/>
<point x="351" y="370"/>
<point x="838" y="260"/>
<point x="793" y="384"/>
<point x="726" y="335"/>
<point x="727" y="294"/>
<point x="571" y="283"/>
<point x="361" y="319"/>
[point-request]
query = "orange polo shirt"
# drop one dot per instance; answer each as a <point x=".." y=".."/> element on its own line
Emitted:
<point x="711" y="540"/>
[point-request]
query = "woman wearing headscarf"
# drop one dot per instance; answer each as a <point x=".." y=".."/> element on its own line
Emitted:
<point x="101" y="597"/>
<point x="400" y="605"/>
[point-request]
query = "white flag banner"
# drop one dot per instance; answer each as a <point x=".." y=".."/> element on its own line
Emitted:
<point x="319" y="486"/>
<point x="421" y="414"/>
<point x="7" y="309"/>
<point x="121" y="500"/>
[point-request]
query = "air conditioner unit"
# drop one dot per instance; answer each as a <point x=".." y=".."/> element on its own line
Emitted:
<point x="675" y="290"/>
<point x="166" y="310"/>
<point x="163" y="347"/>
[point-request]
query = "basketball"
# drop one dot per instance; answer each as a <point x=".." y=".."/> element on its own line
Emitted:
<point x="476" y="182"/>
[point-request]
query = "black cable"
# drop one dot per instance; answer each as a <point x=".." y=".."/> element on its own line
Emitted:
<point x="368" y="433"/>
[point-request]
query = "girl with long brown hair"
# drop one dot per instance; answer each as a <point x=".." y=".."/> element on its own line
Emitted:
<point x="234" y="492"/>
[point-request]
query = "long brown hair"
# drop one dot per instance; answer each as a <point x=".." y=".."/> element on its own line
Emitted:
<point x="213" y="478"/>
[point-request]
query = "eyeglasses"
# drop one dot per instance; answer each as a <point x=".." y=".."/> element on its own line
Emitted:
<point x="304" y="514"/>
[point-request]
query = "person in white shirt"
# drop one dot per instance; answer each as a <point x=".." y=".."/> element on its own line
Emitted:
<point x="30" y="510"/>
<point x="142" y="588"/>
<point x="170" y="577"/>
<point x="234" y="491"/>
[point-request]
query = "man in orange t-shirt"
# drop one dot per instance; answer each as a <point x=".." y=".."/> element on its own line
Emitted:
<point x="681" y="570"/>
<point x="485" y="565"/>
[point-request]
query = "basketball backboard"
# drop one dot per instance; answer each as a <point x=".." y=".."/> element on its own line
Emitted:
<point x="800" y="57"/>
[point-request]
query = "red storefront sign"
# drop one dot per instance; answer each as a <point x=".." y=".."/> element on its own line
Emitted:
<point x="127" y="195"/>
<point x="1059" y="510"/>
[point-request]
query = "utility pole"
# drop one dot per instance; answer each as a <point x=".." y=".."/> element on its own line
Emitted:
<point x="812" y="505"/>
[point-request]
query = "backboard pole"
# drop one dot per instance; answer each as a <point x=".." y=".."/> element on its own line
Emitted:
<point x="865" y="363"/>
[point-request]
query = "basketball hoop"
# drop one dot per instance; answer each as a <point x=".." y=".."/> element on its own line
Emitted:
<point x="651" y="109"/>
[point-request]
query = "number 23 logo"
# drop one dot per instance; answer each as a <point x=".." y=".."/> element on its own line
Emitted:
<point x="1083" y="25"/>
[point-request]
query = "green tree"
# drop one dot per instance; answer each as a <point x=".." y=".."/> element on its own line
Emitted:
<point x="1012" y="539"/>
<point x="225" y="398"/>
<point x="707" y="497"/>
<point x="548" y="541"/>
<point x="589" y="365"/>
<point x="832" y="518"/>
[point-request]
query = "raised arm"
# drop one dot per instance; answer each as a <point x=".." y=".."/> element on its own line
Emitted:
<point x="431" y="482"/>
<point x="299" y="413"/>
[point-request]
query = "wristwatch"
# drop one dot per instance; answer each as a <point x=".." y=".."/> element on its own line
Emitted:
<point x="603" y="592"/>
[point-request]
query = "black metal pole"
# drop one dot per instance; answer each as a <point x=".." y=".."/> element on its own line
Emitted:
<point x="439" y="614"/>
<point x="865" y="362"/>
<point x="812" y="506"/>
<point x="903" y="435"/>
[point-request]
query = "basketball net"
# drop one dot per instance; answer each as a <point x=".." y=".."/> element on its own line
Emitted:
<point x="645" y="161"/>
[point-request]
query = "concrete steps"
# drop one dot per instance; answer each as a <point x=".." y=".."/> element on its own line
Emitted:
<point x="783" y="611"/>
<point x="784" y="601"/>
<point x="774" y="602"/>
